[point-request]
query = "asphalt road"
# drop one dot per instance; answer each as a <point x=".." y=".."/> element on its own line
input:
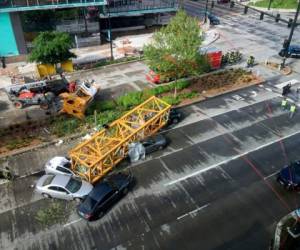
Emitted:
<point x="245" y="32"/>
<point x="213" y="187"/>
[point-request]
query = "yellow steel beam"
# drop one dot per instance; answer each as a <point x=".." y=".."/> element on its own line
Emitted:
<point x="105" y="149"/>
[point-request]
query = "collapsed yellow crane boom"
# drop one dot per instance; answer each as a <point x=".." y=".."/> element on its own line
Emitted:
<point x="96" y="156"/>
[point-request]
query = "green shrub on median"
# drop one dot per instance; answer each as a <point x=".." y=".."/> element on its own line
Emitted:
<point x="62" y="126"/>
<point x="100" y="106"/>
<point x="110" y="110"/>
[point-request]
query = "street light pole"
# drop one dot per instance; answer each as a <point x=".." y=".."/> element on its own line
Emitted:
<point x="205" y="20"/>
<point x="288" y="41"/>
<point x="109" y="33"/>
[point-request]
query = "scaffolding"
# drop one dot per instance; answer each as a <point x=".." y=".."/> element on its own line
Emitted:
<point x="92" y="159"/>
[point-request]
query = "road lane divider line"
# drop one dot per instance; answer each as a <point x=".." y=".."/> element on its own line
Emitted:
<point x="193" y="211"/>
<point x="228" y="160"/>
<point x="271" y="175"/>
<point x="72" y="222"/>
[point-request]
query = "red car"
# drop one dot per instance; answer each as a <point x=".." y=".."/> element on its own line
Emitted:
<point x="153" y="77"/>
<point x="156" y="78"/>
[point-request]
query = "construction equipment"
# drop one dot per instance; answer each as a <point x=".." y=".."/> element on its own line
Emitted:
<point x="76" y="103"/>
<point x="92" y="159"/>
<point x="41" y="93"/>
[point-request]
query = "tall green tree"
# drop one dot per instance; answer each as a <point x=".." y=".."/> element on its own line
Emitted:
<point x="51" y="47"/>
<point x="174" y="51"/>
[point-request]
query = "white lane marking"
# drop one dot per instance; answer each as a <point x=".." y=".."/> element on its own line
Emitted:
<point x="193" y="212"/>
<point x="228" y="160"/>
<point x="182" y="216"/>
<point x="268" y="89"/>
<point x="238" y="98"/>
<point x="253" y="93"/>
<point x="267" y="177"/>
<point x="72" y="222"/>
<point x="292" y="82"/>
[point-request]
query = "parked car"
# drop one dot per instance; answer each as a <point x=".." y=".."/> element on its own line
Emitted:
<point x="157" y="78"/>
<point x="63" y="187"/>
<point x="154" y="143"/>
<point x="289" y="176"/>
<point x="174" y="116"/>
<point x="293" y="50"/>
<point x="59" y="165"/>
<point x="104" y="195"/>
<point x="213" y="19"/>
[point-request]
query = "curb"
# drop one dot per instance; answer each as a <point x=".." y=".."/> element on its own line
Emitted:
<point x="42" y="145"/>
<point x="103" y="67"/>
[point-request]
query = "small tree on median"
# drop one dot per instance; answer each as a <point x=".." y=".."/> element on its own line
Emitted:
<point x="51" y="47"/>
<point x="174" y="51"/>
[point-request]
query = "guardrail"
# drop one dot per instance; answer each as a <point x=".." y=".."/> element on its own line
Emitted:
<point x="262" y="13"/>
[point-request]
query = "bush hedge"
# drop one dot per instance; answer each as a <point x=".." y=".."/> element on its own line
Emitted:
<point x="110" y="110"/>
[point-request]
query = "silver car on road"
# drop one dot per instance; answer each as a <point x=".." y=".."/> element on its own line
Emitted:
<point x="59" y="165"/>
<point x="62" y="187"/>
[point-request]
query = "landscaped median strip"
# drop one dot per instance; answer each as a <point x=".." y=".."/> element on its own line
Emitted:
<point x="181" y="92"/>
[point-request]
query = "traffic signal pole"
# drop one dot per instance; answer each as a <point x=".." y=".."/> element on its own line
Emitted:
<point x="288" y="41"/>
<point x="205" y="20"/>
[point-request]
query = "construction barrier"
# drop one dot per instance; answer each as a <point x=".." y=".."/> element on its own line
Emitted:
<point x="46" y="70"/>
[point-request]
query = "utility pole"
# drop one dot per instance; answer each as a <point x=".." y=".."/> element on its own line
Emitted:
<point x="109" y="32"/>
<point x="288" y="42"/>
<point x="205" y="19"/>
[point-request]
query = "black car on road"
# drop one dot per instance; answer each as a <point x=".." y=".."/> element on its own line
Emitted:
<point x="174" y="116"/>
<point x="213" y="19"/>
<point x="154" y="143"/>
<point x="104" y="195"/>
<point x="289" y="176"/>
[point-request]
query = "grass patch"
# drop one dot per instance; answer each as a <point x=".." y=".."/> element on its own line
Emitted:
<point x="101" y="106"/>
<point x="53" y="214"/>
<point x="279" y="4"/>
<point x="16" y="143"/>
<point x="104" y="117"/>
<point x="110" y="110"/>
<point x="61" y="126"/>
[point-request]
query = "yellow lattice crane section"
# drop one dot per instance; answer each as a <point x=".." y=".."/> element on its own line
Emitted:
<point x="95" y="157"/>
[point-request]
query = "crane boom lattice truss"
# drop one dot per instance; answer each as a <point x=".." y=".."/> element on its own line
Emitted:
<point x="96" y="156"/>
